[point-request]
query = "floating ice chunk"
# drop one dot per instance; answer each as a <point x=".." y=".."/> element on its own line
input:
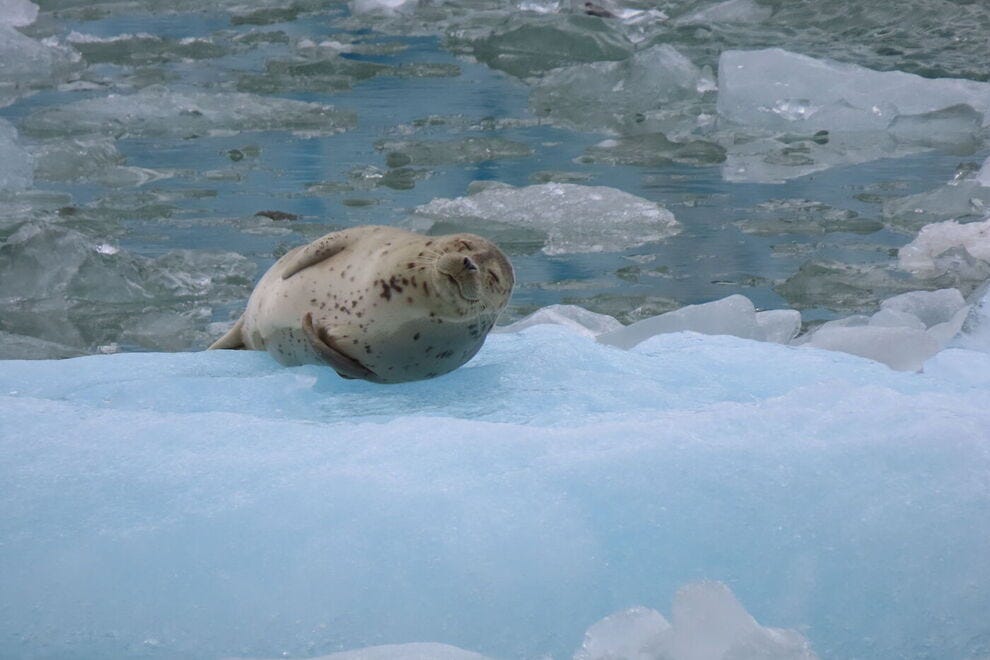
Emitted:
<point x="842" y="286"/>
<point x="16" y="163"/>
<point x="957" y="365"/>
<point x="975" y="331"/>
<point x="160" y="111"/>
<point x="957" y="127"/>
<point x="574" y="218"/>
<point x="654" y="90"/>
<point x="410" y="651"/>
<point x="531" y="45"/>
<point x="61" y="285"/>
<point x="755" y="87"/>
<point x="23" y="347"/>
<point x="983" y="176"/>
<point x="632" y="634"/>
<point x="579" y="319"/>
<point x="900" y="348"/>
<point x="803" y="216"/>
<point x="386" y="6"/>
<point x="75" y="158"/>
<point x="929" y="307"/>
<point x="709" y="623"/>
<point x="890" y="318"/>
<point x="730" y="11"/>
<point x="437" y="152"/>
<point x="653" y="149"/>
<point x="143" y="48"/>
<point x="29" y="65"/>
<point x="17" y="13"/>
<point x="734" y="315"/>
<point x="778" y="325"/>
<point x="920" y="256"/>
<point x="963" y="198"/>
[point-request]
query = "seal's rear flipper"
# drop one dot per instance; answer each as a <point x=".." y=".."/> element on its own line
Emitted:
<point x="232" y="338"/>
<point x="325" y="346"/>
<point x="317" y="251"/>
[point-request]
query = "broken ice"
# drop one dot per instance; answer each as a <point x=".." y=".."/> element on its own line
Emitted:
<point x="160" y="111"/>
<point x="572" y="218"/>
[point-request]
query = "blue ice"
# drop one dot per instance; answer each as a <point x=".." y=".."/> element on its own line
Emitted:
<point x="216" y="504"/>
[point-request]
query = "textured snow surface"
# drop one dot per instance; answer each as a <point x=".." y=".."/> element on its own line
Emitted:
<point x="216" y="504"/>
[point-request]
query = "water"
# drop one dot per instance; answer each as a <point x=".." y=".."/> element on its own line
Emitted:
<point x="203" y="190"/>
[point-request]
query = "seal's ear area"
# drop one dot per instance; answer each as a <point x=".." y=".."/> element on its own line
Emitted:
<point x="463" y="271"/>
<point x="326" y="347"/>
<point x="231" y="339"/>
<point x="319" y="250"/>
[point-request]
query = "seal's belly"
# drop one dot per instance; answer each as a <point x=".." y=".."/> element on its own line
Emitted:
<point x="417" y="349"/>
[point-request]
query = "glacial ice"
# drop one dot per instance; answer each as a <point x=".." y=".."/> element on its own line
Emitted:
<point x="18" y="13"/>
<point x="922" y="255"/>
<point x="29" y="65"/>
<point x="216" y="504"/>
<point x="729" y="11"/>
<point x="441" y="152"/>
<point x="72" y="287"/>
<point x="577" y="319"/>
<point x="16" y="164"/>
<point x="530" y="46"/>
<point x="572" y="218"/>
<point x="779" y="90"/>
<point x="804" y="114"/>
<point x="734" y="315"/>
<point x="709" y="624"/>
<point x="656" y="90"/>
<point x="161" y="111"/>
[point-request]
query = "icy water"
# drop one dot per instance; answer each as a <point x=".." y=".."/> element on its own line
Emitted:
<point x="696" y="497"/>
<point x="431" y="102"/>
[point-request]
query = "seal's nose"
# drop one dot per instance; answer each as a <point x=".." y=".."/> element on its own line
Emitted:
<point x="469" y="265"/>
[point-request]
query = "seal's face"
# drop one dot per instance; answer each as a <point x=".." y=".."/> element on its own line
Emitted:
<point x="476" y="275"/>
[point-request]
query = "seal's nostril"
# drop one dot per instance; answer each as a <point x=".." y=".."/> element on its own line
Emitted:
<point x="469" y="265"/>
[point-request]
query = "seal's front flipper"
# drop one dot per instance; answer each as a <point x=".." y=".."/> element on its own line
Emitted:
<point x="326" y="347"/>
<point x="231" y="339"/>
<point x="317" y="251"/>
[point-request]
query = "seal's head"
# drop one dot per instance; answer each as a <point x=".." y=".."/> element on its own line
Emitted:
<point x="473" y="274"/>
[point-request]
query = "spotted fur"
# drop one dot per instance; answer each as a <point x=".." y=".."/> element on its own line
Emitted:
<point x="409" y="306"/>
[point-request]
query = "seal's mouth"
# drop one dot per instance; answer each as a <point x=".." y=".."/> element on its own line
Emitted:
<point x="463" y="272"/>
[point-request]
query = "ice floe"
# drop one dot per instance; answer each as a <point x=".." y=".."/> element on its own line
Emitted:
<point x="161" y="111"/>
<point x="572" y="218"/>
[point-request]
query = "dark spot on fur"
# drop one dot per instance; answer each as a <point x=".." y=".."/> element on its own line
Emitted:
<point x="416" y="337"/>
<point x="386" y="292"/>
<point x="410" y="265"/>
<point x="409" y="300"/>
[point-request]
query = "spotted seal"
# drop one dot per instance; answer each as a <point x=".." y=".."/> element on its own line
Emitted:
<point x="378" y="303"/>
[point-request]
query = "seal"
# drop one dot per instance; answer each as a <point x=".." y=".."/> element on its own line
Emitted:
<point x="378" y="303"/>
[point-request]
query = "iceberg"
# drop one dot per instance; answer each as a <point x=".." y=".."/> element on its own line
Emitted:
<point x="572" y="218"/>
<point x="216" y="504"/>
